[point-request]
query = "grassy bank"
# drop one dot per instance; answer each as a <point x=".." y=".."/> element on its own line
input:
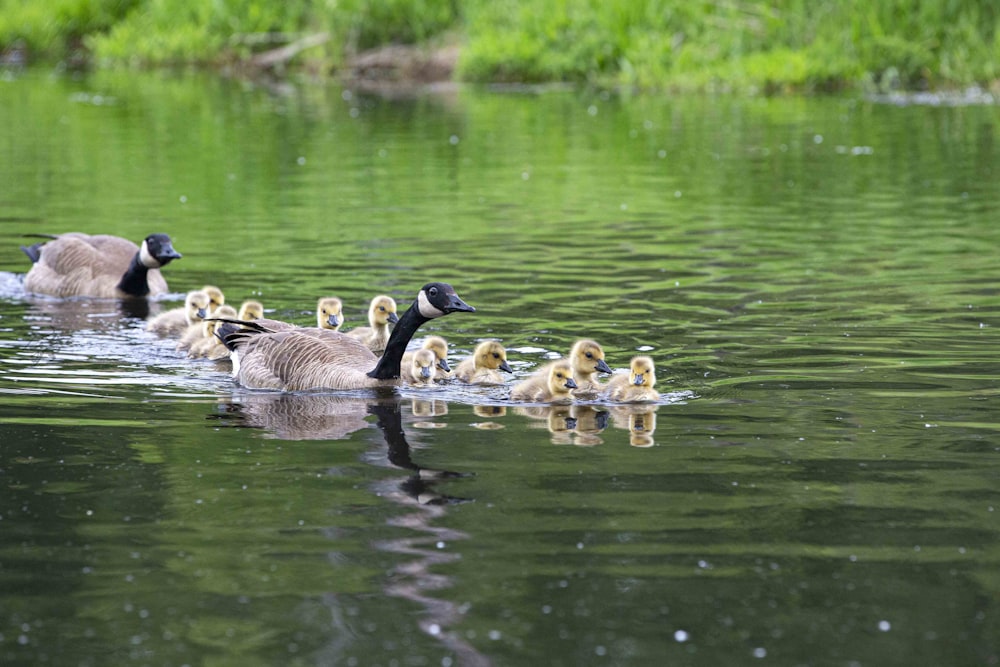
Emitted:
<point x="656" y="44"/>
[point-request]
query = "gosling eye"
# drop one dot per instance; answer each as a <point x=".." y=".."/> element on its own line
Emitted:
<point x="590" y="355"/>
<point x="496" y="356"/>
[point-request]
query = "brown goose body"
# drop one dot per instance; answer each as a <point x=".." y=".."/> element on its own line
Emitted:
<point x="101" y="266"/>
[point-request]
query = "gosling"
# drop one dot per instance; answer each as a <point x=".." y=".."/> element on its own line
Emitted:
<point x="551" y="384"/>
<point x="381" y="313"/>
<point x="174" y="321"/>
<point x="485" y="364"/>
<point x="636" y="386"/>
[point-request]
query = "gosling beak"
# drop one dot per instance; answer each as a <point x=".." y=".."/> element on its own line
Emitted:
<point x="201" y="313"/>
<point x="332" y="321"/>
<point x="570" y="423"/>
<point x="570" y="383"/>
<point x="602" y="367"/>
<point x="443" y="365"/>
<point x="425" y="372"/>
<point x="504" y="366"/>
<point x="640" y="378"/>
<point x="393" y="318"/>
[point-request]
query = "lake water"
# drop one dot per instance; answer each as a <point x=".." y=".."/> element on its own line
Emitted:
<point x="816" y="279"/>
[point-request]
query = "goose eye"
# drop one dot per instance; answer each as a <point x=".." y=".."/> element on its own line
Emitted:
<point x="432" y="291"/>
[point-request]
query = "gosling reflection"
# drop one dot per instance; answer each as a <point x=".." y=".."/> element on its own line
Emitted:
<point x="585" y="425"/>
<point x="639" y="421"/>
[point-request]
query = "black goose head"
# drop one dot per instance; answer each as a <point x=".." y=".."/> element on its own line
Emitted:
<point x="157" y="251"/>
<point x="437" y="299"/>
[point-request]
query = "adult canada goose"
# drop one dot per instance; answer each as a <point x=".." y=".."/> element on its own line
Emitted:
<point x="438" y="346"/>
<point x="308" y="358"/>
<point x="103" y="266"/>
<point x="215" y="298"/>
<point x="636" y="386"/>
<point x="207" y="345"/>
<point x="250" y="310"/>
<point x="381" y="313"/>
<point x="482" y="367"/>
<point x="551" y="383"/>
<point x="420" y="367"/>
<point x="174" y="321"/>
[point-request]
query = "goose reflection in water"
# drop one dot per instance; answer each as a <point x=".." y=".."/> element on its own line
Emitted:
<point x="330" y="416"/>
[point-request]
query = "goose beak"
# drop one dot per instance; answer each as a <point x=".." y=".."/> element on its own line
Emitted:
<point x="167" y="254"/>
<point x="571" y="383"/>
<point x="393" y="318"/>
<point x="506" y="367"/>
<point x="457" y="305"/>
<point x="332" y="321"/>
<point x="443" y="365"/>
<point x="602" y="367"/>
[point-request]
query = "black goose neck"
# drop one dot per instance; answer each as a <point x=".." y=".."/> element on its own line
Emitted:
<point x="387" y="367"/>
<point x="134" y="281"/>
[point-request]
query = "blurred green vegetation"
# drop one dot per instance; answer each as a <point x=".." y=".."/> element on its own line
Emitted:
<point x="653" y="44"/>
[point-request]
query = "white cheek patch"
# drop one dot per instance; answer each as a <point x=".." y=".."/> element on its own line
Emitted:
<point x="147" y="260"/>
<point x="426" y="308"/>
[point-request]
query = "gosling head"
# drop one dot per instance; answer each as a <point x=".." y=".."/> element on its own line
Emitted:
<point x="251" y="310"/>
<point x="642" y="372"/>
<point x="196" y="306"/>
<point x="329" y="313"/>
<point x="437" y="299"/>
<point x="439" y="347"/>
<point x="587" y="358"/>
<point x="382" y="311"/>
<point x="422" y="365"/>
<point x="215" y="297"/>
<point x="561" y="379"/>
<point x="491" y="354"/>
<point x="156" y="251"/>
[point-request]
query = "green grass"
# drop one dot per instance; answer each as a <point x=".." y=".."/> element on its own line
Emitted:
<point x="655" y="44"/>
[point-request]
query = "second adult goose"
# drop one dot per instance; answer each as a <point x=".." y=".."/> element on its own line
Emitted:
<point x="102" y="266"/>
<point x="309" y="358"/>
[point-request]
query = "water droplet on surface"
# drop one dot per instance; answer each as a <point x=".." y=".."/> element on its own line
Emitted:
<point x="681" y="636"/>
<point x="884" y="626"/>
<point x="760" y="652"/>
